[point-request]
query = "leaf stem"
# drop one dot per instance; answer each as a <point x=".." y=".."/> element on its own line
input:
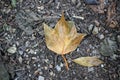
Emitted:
<point x="66" y="63"/>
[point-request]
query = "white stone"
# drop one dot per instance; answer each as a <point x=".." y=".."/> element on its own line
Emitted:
<point x="90" y="69"/>
<point x="95" y="30"/>
<point x="12" y="49"/>
<point x="79" y="17"/>
<point x="30" y="75"/>
<point x="34" y="58"/>
<point x="40" y="7"/>
<point x="78" y="49"/>
<point x="58" y="68"/>
<point x="101" y="36"/>
<point x="102" y="65"/>
<point x="90" y="27"/>
<point x="41" y="78"/>
<point x="39" y="65"/>
<point x="20" y="59"/>
<point x="61" y="65"/>
<point x="51" y="73"/>
<point x="20" y="52"/>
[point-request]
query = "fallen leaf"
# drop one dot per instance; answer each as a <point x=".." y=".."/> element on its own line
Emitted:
<point x="88" y="61"/>
<point x="63" y="38"/>
<point x="111" y="11"/>
<point x="98" y="8"/>
<point x="111" y="15"/>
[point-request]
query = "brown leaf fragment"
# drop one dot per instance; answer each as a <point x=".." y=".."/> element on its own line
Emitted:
<point x="111" y="14"/>
<point x="111" y="11"/>
<point x="97" y="23"/>
<point x="98" y="8"/>
<point x="113" y="24"/>
<point x="88" y="61"/>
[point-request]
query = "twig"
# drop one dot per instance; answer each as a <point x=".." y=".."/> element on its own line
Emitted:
<point x="66" y="63"/>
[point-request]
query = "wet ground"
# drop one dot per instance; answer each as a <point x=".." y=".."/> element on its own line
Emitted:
<point x="23" y="52"/>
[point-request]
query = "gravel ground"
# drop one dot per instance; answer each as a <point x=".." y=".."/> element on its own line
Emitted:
<point x="23" y="52"/>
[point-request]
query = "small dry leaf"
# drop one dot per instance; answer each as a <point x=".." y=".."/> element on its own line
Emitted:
<point x="88" y="61"/>
<point x="63" y="38"/>
<point x="98" y="8"/>
<point x="111" y="15"/>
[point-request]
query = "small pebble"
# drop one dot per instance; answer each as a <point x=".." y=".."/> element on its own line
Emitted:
<point x="30" y="75"/>
<point x="41" y="78"/>
<point x="39" y="65"/>
<point x="90" y="69"/>
<point x="12" y="49"/>
<point x="58" y="68"/>
<point x="40" y="8"/>
<point x="45" y="68"/>
<point x="31" y="51"/>
<point x="61" y="65"/>
<point x="90" y="27"/>
<point x="95" y="30"/>
<point x="94" y="52"/>
<point x="74" y="1"/>
<point x="20" y="52"/>
<point x="118" y="38"/>
<point x="28" y="66"/>
<point x="101" y="36"/>
<point x="102" y="65"/>
<point x="78" y="49"/>
<point x="33" y="37"/>
<point x="86" y="78"/>
<point x="27" y="43"/>
<point x="51" y="73"/>
<point x="50" y="66"/>
<point x="13" y="30"/>
<point x="34" y="58"/>
<point x="17" y="43"/>
<point x="35" y="52"/>
<point x="46" y="60"/>
<point x="114" y="56"/>
<point x="34" y="65"/>
<point x="26" y="56"/>
<point x="106" y="31"/>
<point x="20" y="59"/>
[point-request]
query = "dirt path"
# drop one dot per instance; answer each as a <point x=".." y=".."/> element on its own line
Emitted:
<point x="23" y="52"/>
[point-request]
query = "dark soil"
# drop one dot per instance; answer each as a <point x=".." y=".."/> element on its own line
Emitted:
<point x="23" y="52"/>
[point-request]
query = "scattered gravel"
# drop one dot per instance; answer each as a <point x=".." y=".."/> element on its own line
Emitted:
<point x="24" y="52"/>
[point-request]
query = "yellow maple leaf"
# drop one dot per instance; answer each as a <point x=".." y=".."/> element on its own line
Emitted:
<point x="63" y="38"/>
<point x="88" y="61"/>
